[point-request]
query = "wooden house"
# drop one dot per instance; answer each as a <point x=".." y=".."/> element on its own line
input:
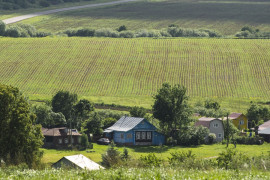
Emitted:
<point x="134" y="131"/>
<point x="239" y="120"/>
<point x="214" y="125"/>
<point x="60" y="137"/>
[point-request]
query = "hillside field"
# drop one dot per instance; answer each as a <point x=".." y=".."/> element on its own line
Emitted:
<point x="130" y="71"/>
<point x="225" y="16"/>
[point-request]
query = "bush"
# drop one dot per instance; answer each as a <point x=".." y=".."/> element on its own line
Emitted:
<point x="122" y="28"/>
<point x="44" y="3"/>
<point x="2" y="28"/>
<point x="106" y="32"/>
<point x="42" y="34"/>
<point x="84" y="141"/>
<point x="112" y="157"/>
<point x="127" y="34"/>
<point x="151" y="160"/>
<point x="193" y="136"/>
<point x="85" y="32"/>
<point x="211" y="138"/>
<point x="15" y="31"/>
<point x="249" y="140"/>
<point x="31" y="30"/>
<point x="178" y="157"/>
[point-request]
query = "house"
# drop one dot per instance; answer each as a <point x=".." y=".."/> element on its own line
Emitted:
<point x="214" y="125"/>
<point x="134" y="131"/>
<point x="239" y="120"/>
<point x="60" y="137"/>
<point x="264" y="131"/>
<point x="77" y="161"/>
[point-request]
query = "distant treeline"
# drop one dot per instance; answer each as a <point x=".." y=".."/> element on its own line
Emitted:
<point x="25" y="30"/>
<point x="19" y="4"/>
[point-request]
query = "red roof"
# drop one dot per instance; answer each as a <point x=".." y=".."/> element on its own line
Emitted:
<point x="205" y="121"/>
<point x="235" y="115"/>
<point x="62" y="131"/>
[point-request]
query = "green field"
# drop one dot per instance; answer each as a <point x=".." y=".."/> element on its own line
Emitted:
<point x="130" y="71"/>
<point x="203" y="151"/>
<point x="226" y="16"/>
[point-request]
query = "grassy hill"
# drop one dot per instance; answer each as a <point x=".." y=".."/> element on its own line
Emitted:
<point x="226" y="16"/>
<point x="129" y="71"/>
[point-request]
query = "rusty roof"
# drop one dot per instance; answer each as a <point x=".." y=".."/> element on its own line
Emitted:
<point x="205" y="121"/>
<point x="62" y="131"/>
<point x="235" y="115"/>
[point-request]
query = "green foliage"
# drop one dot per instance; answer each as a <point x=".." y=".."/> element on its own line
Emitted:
<point x="211" y="104"/>
<point x="93" y="124"/>
<point x="171" y="108"/>
<point x="255" y="113"/>
<point x="180" y="157"/>
<point x="2" y="28"/>
<point x="125" y="156"/>
<point x="249" y="140"/>
<point x="108" y="122"/>
<point x="47" y="118"/>
<point x="137" y="111"/>
<point x="231" y="159"/>
<point x="63" y="102"/>
<point x="84" y="141"/>
<point x="193" y="135"/>
<point x="112" y="157"/>
<point x="151" y="160"/>
<point x="20" y="138"/>
<point x="231" y="131"/>
<point x="211" y="138"/>
<point x="122" y="28"/>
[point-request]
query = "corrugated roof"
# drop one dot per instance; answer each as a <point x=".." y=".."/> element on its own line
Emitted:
<point x="205" y="121"/>
<point x="235" y="115"/>
<point x="125" y="124"/>
<point x="83" y="162"/>
<point x="265" y="131"/>
<point x="59" y="132"/>
<point x="264" y="125"/>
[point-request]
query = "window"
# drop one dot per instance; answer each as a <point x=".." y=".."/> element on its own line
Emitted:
<point x="219" y="135"/>
<point x="149" y="135"/>
<point x="138" y="135"/>
<point x="60" y="141"/>
<point x="241" y="122"/>
<point x="66" y="140"/>
<point x="143" y="135"/>
<point x="215" y="125"/>
<point x="122" y="135"/>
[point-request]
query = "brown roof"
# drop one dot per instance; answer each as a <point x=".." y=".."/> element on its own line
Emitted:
<point x="264" y="125"/>
<point x="235" y="115"/>
<point x="205" y="121"/>
<point x="59" y="132"/>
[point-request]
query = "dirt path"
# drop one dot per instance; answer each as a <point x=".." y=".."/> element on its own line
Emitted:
<point x="27" y="16"/>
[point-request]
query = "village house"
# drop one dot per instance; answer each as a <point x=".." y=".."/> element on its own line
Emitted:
<point x="134" y="131"/>
<point x="239" y="120"/>
<point x="214" y="125"/>
<point x="264" y="131"/>
<point x="60" y="137"/>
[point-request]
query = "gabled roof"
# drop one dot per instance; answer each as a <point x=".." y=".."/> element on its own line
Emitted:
<point x="83" y="162"/>
<point x="205" y="121"/>
<point x="59" y="132"/>
<point x="235" y="115"/>
<point x="264" y="125"/>
<point x="125" y="124"/>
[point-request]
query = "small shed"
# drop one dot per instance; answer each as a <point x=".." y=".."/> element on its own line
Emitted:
<point x="264" y="125"/>
<point x="77" y="161"/>
<point x="239" y="120"/>
<point x="265" y="133"/>
<point x="134" y="131"/>
<point x="214" y="125"/>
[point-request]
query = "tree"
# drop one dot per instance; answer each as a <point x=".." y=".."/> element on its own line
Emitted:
<point x="211" y="104"/>
<point x="255" y="113"/>
<point x="2" y="28"/>
<point x="20" y="138"/>
<point x="93" y="125"/>
<point x="171" y="108"/>
<point x="63" y="102"/>
<point x="82" y="112"/>
<point x="122" y="28"/>
<point x="137" y="111"/>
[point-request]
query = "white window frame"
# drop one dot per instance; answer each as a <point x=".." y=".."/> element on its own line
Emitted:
<point x="143" y="135"/>
<point x="215" y="125"/>
<point x="241" y="122"/>
<point x="138" y="135"/>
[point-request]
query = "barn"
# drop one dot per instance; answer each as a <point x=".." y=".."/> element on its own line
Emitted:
<point x="134" y="131"/>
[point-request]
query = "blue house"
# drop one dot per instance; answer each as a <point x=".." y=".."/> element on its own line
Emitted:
<point x="134" y="131"/>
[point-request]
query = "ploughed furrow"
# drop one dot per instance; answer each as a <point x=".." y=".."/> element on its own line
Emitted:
<point x="136" y="67"/>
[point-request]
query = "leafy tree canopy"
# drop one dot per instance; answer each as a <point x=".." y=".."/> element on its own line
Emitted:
<point x="20" y="139"/>
<point x="137" y="111"/>
<point x="256" y="112"/>
<point x="171" y="108"/>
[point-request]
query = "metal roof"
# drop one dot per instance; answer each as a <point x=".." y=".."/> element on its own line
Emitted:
<point x="265" y="131"/>
<point x="125" y="124"/>
<point x="83" y="162"/>
<point x="235" y="115"/>
<point x="264" y="125"/>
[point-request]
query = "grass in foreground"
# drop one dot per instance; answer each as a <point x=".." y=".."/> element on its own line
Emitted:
<point x="130" y="71"/>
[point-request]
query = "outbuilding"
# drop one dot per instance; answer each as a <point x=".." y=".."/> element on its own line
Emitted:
<point x="134" y="131"/>
<point x="77" y="161"/>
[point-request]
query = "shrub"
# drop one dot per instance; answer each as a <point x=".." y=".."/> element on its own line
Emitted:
<point x="42" y="34"/>
<point x="249" y="140"/>
<point x="106" y="32"/>
<point x="85" y="32"/>
<point x="31" y="30"/>
<point x="122" y="28"/>
<point x="211" y="138"/>
<point x="193" y="136"/>
<point x="178" y="157"/>
<point x="112" y="157"/>
<point x="15" y="31"/>
<point x="127" y="34"/>
<point x="151" y="160"/>
<point x="84" y="141"/>
<point x="2" y="28"/>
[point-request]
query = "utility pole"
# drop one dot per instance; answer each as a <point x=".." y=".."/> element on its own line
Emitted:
<point x="228" y="130"/>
